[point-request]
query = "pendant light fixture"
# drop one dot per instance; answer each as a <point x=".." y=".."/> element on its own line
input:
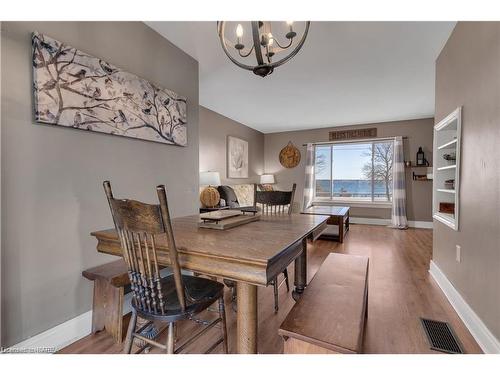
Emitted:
<point x="264" y="47"/>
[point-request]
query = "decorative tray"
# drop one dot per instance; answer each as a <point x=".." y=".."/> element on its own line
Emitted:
<point x="226" y="222"/>
<point x="219" y="215"/>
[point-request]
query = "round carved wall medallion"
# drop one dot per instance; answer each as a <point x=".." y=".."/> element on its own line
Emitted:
<point x="290" y="156"/>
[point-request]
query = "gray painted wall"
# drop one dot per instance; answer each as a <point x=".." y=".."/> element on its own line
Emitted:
<point x="419" y="193"/>
<point x="467" y="74"/>
<point x="52" y="195"/>
<point x="214" y="129"/>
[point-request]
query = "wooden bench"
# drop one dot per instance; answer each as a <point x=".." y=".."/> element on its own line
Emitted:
<point x="331" y="313"/>
<point x="110" y="281"/>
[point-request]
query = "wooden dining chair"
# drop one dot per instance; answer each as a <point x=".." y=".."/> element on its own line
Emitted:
<point x="276" y="203"/>
<point x="155" y="299"/>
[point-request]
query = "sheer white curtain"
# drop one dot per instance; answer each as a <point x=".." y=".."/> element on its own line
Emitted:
<point x="398" y="219"/>
<point x="309" y="181"/>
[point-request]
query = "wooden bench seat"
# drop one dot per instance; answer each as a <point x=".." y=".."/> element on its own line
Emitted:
<point x="110" y="282"/>
<point x="330" y="315"/>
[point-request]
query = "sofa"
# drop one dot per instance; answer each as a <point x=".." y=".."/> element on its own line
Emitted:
<point x="244" y="194"/>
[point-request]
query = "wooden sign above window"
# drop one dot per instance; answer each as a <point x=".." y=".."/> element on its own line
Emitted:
<point x="343" y="135"/>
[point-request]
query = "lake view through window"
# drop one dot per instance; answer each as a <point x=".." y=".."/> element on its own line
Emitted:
<point x="353" y="172"/>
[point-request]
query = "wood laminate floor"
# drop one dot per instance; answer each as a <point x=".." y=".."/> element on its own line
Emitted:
<point x="400" y="292"/>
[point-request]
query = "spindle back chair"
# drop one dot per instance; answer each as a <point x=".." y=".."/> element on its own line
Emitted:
<point x="169" y="299"/>
<point x="138" y="224"/>
<point x="275" y="202"/>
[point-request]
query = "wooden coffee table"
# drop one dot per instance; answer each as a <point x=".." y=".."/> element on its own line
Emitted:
<point x="338" y="216"/>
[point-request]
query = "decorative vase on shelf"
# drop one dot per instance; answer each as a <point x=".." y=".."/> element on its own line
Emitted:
<point x="420" y="157"/>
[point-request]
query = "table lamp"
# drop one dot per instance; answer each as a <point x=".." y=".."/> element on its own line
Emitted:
<point x="266" y="180"/>
<point x="209" y="197"/>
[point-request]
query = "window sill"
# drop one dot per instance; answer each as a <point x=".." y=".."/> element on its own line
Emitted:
<point x="330" y="202"/>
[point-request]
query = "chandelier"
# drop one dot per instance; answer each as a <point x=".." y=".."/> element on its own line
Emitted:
<point x="264" y="46"/>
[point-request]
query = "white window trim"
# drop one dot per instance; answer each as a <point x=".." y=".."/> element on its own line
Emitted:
<point x="354" y="203"/>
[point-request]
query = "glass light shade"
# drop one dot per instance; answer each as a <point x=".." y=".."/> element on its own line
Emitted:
<point x="267" y="179"/>
<point x="239" y="31"/>
<point x="210" y="178"/>
<point x="271" y="40"/>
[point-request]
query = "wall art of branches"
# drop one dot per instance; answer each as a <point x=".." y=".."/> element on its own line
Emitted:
<point x="77" y="90"/>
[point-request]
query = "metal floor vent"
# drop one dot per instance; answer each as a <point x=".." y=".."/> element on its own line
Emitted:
<point x="441" y="336"/>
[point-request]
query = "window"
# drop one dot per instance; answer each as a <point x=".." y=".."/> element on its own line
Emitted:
<point x="354" y="172"/>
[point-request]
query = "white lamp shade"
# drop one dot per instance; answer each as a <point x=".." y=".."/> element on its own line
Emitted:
<point x="267" y="179"/>
<point x="210" y="178"/>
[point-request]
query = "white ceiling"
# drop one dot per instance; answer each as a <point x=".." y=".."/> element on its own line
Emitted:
<point x="346" y="73"/>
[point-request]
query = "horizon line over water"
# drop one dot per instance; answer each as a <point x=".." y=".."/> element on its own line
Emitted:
<point x="356" y="187"/>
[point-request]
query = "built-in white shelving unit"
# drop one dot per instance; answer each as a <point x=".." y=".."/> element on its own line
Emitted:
<point x="447" y="141"/>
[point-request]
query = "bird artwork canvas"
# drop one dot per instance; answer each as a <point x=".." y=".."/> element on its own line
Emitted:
<point x="237" y="158"/>
<point x="76" y="90"/>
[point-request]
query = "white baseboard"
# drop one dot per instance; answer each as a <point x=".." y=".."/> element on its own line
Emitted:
<point x="385" y="222"/>
<point x="59" y="336"/>
<point x="369" y="221"/>
<point x="421" y="224"/>
<point x="486" y="340"/>
<point x="65" y="333"/>
<point x="72" y="330"/>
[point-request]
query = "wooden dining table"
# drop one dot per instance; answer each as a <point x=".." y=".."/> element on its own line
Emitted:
<point x="252" y="255"/>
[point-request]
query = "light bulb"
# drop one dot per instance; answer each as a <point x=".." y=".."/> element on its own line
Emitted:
<point x="289" y="23"/>
<point x="270" y="39"/>
<point x="239" y="31"/>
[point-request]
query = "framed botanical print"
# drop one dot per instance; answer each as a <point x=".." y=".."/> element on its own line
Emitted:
<point x="237" y="158"/>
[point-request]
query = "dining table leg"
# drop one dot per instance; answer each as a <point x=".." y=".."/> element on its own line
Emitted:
<point x="246" y="318"/>
<point x="300" y="272"/>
